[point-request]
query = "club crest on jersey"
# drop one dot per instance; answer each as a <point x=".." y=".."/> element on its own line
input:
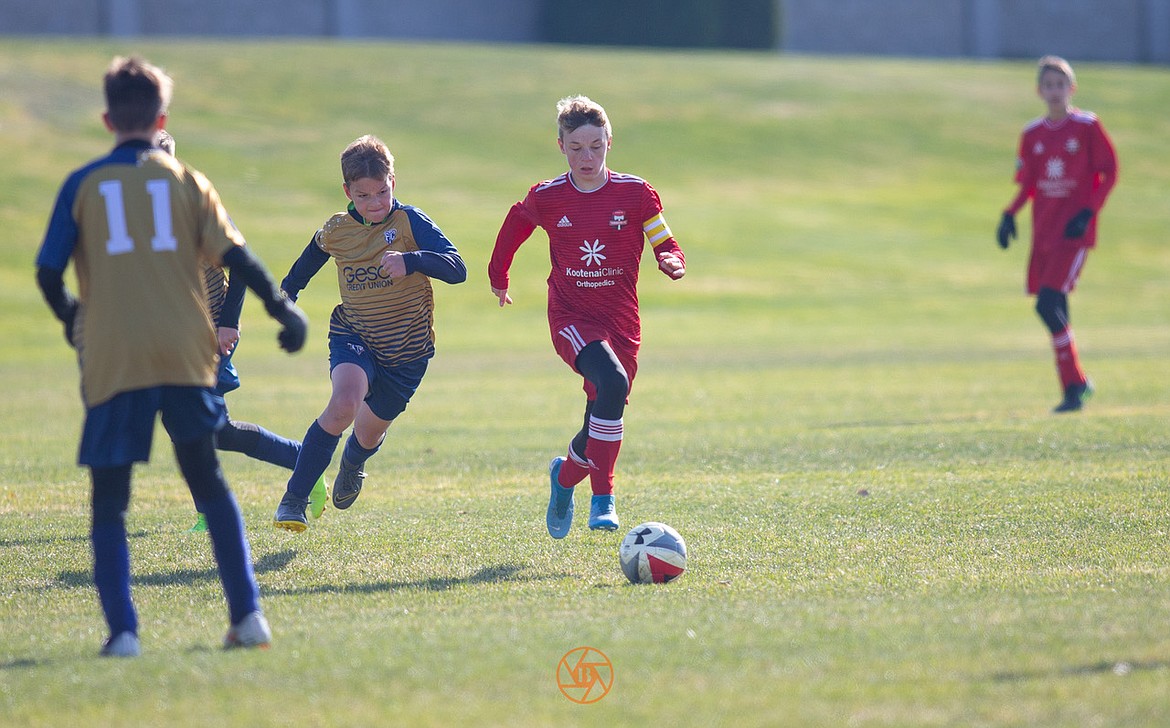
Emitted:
<point x="619" y="219"/>
<point x="1038" y="149"/>
<point x="1072" y="145"/>
<point x="391" y="236"/>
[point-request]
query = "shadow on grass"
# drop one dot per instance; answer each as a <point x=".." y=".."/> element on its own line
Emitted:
<point x="267" y="563"/>
<point x="487" y="575"/>
<point x="278" y="561"/>
<point x="22" y="663"/>
<point x="1121" y="668"/>
<point x="42" y="540"/>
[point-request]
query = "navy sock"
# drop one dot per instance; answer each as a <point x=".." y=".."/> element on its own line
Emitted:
<point x="355" y="454"/>
<point x="259" y="443"/>
<point x="272" y="448"/>
<point x="111" y="551"/>
<point x="111" y="576"/>
<point x="225" y="525"/>
<point x="316" y="453"/>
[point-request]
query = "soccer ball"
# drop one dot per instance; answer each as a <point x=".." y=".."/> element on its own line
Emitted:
<point x="653" y="553"/>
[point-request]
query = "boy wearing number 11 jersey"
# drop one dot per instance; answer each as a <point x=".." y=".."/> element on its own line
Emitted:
<point x="140" y="226"/>
<point x="598" y="223"/>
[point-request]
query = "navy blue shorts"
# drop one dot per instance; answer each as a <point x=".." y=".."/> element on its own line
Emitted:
<point x="228" y="379"/>
<point x="119" y="431"/>
<point x="391" y="387"/>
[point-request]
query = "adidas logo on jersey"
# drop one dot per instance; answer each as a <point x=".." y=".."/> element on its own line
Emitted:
<point x="564" y="222"/>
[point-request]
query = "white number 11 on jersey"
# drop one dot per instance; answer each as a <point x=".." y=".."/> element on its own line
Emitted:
<point x="120" y="241"/>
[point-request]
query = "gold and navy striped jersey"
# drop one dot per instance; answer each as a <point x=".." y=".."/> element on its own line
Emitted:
<point x="215" y="279"/>
<point x="139" y="226"/>
<point x="394" y="318"/>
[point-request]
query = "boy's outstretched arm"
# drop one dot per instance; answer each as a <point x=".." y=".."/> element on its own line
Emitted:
<point x="248" y="268"/>
<point x="311" y="260"/>
<point x="517" y="228"/>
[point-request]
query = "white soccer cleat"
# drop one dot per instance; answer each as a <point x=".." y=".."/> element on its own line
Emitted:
<point x="123" y="644"/>
<point x="251" y="631"/>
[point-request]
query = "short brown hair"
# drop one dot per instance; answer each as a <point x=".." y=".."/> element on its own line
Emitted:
<point x="1058" y="64"/>
<point x="574" y="112"/>
<point x="137" y="93"/>
<point x="366" y="157"/>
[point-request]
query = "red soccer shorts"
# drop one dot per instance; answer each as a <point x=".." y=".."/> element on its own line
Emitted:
<point x="1057" y="268"/>
<point x="572" y="338"/>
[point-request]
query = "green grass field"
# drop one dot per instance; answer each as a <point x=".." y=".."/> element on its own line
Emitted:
<point x="844" y="408"/>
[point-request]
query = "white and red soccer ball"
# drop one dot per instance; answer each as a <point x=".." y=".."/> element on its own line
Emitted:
<point x="653" y="553"/>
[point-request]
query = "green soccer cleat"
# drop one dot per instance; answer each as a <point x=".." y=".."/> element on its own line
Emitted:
<point x="200" y="524"/>
<point x="319" y="497"/>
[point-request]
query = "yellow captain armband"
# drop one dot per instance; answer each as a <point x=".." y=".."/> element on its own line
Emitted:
<point x="656" y="229"/>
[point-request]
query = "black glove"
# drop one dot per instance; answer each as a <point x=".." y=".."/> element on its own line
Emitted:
<point x="1006" y="230"/>
<point x="295" y="322"/>
<point x="1079" y="224"/>
<point x="69" y="315"/>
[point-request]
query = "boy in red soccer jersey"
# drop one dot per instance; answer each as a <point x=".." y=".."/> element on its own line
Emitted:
<point x="1067" y="167"/>
<point x="598" y="223"/>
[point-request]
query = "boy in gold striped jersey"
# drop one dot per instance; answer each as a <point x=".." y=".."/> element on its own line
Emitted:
<point x="381" y="335"/>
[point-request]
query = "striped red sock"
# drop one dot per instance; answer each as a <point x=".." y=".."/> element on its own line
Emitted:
<point x="573" y="470"/>
<point x="605" y="440"/>
<point x="1068" y="364"/>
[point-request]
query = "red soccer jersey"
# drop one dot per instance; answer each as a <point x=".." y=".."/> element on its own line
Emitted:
<point x="1064" y="167"/>
<point x="596" y="241"/>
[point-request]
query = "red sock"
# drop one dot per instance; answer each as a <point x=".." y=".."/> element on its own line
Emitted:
<point x="605" y="440"/>
<point x="573" y="470"/>
<point x="1068" y="365"/>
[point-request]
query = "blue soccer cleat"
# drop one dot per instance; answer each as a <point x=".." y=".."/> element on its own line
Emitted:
<point x="560" y="503"/>
<point x="602" y="516"/>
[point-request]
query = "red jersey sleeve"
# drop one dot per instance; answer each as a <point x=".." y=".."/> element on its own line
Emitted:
<point x="656" y="230"/>
<point x="517" y="227"/>
<point x="1024" y="177"/>
<point x="1103" y="158"/>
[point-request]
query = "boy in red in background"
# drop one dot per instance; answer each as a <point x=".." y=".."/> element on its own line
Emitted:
<point x="1067" y="167"/>
<point x="598" y="223"/>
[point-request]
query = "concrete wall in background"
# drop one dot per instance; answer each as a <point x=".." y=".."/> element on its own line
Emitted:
<point x="1082" y="30"/>
<point x="510" y="21"/>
